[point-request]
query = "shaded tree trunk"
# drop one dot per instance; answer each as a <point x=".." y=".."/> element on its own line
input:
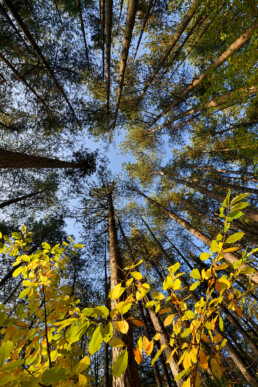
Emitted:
<point x="230" y="258"/>
<point x="130" y="377"/>
<point x="19" y="199"/>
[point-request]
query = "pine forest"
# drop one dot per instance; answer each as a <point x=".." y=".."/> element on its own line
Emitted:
<point x="128" y="176"/>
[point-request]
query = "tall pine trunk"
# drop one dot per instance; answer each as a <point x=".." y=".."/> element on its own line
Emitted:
<point x="229" y="257"/>
<point x="130" y="377"/>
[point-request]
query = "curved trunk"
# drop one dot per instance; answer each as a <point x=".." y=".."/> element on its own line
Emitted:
<point x="229" y="257"/>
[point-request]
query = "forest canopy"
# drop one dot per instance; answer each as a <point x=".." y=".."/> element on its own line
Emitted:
<point x="142" y="273"/>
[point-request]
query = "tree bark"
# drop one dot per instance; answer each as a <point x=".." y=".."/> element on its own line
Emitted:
<point x="108" y="31"/>
<point x="130" y="377"/>
<point x="9" y="159"/>
<point x="229" y="257"/>
<point x="19" y="199"/>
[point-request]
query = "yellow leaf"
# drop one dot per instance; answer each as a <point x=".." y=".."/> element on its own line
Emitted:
<point x="116" y="342"/>
<point x="187" y="383"/>
<point x="82" y="380"/>
<point x="116" y="292"/>
<point x="177" y="284"/>
<point x="169" y="319"/>
<point x="122" y="326"/>
<point x="171" y="355"/>
<point x="157" y="336"/>
<point x="147" y="345"/>
<point x="224" y="283"/>
<point x="138" y="356"/>
<point x="136" y="275"/>
<point x="187" y="360"/>
<point x="128" y="282"/>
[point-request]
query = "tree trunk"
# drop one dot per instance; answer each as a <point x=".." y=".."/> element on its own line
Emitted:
<point x="106" y="357"/>
<point x="9" y="159"/>
<point x="250" y="212"/>
<point x="23" y="80"/>
<point x="11" y="7"/>
<point x="19" y="199"/>
<point x="236" y="45"/>
<point x="130" y="377"/>
<point x="83" y="32"/>
<point x="231" y="97"/>
<point x="180" y="29"/>
<point x="229" y="257"/>
<point x="151" y="4"/>
<point x="129" y="25"/>
<point x="102" y="24"/>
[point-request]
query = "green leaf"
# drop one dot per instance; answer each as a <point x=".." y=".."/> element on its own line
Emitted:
<point x="158" y="354"/>
<point x="186" y="332"/>
<point x="235" y="215"/>
<point x="195" y="274"/>
<point x="179" y="376"/>
<point x="96" y="340"/>
<point x="204" y="256"/>
<point x="102" y="311"/>
<point x="108" y="332"/>
<point x="189" y="314"/>
<point x="115" y="342"/>
<point x="239" y="197"/>
<point x="239" y="206"/>
<point x="76" y="330"/>
<point x="226" y="200"/>
<point x="195" y="285"/>
<point x="54" y="375"/>
<point x="5" y="351"/>
<point x="221" y="324"/>
<point x="120" y="364"/>
<point x="235" y="237"/>
<point x="91" y="312"/>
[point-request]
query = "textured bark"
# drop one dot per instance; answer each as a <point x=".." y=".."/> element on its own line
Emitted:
<point x="229" y="257"/>
<point x="180" y="29"/>
<point x="236" y="45"/>
<point x="10" y="159"/>
<point x="108" y="31"/>
<point x="19" y="199"/>
<point x="231" y="97"/>
<point x="11" y="7"/>
<point x="83" y="32"/>
<point x="106" y="357"/>
<point x="130" y="377"/>
<point x="129" y="25"/>
<point x="23" y="80"/>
